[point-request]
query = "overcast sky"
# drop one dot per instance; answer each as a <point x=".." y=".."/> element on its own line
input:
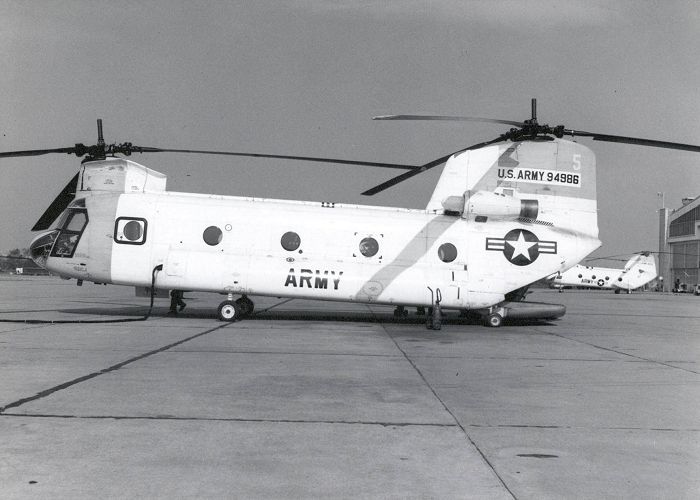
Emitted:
<point x="304" y="77"/>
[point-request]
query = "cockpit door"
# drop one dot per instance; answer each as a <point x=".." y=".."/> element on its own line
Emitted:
<point x="70" y="231"/>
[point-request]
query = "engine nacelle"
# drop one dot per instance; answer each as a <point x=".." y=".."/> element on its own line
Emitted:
<point x="487" y="204"/>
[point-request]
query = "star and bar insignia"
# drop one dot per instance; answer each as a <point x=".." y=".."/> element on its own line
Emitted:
<point x="521" y="247"/>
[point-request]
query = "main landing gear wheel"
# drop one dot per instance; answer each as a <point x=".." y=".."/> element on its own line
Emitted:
<point x="229" y="311"/>
<point x="246" y="305"/>
<point x="494" y="320"/>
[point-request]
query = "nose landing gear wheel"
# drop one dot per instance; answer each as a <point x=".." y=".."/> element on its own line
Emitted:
<point x="229" y="311"/>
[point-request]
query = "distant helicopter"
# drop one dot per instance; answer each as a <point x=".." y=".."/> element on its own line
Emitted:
<point x="639" y="270"/>
<point x="505" y="213"/>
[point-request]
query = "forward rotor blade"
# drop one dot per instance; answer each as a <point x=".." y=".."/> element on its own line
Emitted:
<point x="448" y="118"/>
<point x="58" y="205"/>
<point x="281" y="157"/>
<point x="634" y="140"/>
<point x="36" y="152"/>
<point x="407" y="175"/>
<point x="128" y="149"/>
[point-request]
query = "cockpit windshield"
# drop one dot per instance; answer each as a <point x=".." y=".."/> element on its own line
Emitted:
<point x="61" y="221"/>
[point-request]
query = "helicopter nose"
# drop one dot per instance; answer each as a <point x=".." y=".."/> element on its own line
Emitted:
<point x="40" y="247"/>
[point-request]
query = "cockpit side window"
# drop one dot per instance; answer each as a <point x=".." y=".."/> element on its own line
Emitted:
<point x="70" y="229"/>
<point x="77" y="222"/>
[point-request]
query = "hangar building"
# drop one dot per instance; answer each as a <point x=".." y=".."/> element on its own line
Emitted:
<point x="679" y="245"/>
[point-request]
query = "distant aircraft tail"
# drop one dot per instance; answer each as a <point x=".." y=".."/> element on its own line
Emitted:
<point x="638" y="271"/>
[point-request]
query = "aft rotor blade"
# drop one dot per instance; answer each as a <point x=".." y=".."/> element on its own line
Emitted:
<point x="448" y="118"/>
<point x="407" y="175"/>
<point x="634" y="140"/>
<point x="281" y="157"/>
<point x="36" y="152"/>
<point x="58" y="205"/>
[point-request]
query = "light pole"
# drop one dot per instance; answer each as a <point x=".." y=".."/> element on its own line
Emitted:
<point x="663" y="242"/>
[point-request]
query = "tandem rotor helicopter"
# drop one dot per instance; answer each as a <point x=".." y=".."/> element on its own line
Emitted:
<point x="504" y="214"/>
<point x="639" y="270"/>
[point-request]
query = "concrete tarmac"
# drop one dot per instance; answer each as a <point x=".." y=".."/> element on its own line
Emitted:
<point x="325" y="400"/>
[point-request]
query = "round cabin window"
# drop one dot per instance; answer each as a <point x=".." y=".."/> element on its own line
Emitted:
<point x="290" y="241"/>
<point x="447" y="252"/>
<point x="212" y="235"/>
<point x="369" y="247"/>
<point x="132" y="230"/>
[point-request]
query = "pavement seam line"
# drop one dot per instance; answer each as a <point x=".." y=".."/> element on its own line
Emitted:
<point x="447" y="409"/>
<point x="255" y="313"/>
<point x="608" y="349"/>
<point x="228" y="419"/>
<point x="343" y="422"/>
<point x="65" y="385"/>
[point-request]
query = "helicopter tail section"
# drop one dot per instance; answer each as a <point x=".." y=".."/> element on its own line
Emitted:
<point x="548" y="181"/>
<point x="638" y="271"/>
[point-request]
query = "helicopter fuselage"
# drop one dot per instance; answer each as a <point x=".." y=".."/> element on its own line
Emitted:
<point x="505" y="213"/>
<point x="298" y="249"/>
